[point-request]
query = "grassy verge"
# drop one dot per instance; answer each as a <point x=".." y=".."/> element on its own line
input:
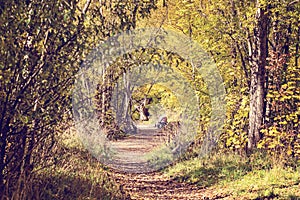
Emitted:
<point x="75" y="175"/>
<point x="239" y="177"/>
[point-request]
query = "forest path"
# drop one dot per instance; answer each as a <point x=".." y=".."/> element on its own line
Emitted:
<point x="132" y="150"/>
<point x="157" y="186"/>
<point x="130" y="170"/>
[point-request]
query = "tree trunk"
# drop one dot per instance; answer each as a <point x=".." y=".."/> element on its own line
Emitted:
<point x="258" y="55"/>
<point x="3" y="143"/>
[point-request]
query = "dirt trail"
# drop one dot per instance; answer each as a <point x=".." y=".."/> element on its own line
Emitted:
<point x="156" y="186"/>
<point x="131" y="150"/>
<point x="130" y="171"/>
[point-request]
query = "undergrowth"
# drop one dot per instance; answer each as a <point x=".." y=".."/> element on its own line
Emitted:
<point x="75" y="174"/>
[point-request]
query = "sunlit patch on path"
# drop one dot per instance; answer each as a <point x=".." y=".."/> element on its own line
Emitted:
<point x="130" y="151"/>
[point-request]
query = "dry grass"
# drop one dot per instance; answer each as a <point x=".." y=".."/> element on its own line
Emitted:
<point x="72" y="174"/>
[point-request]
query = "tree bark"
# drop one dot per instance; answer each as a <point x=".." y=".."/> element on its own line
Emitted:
<point x="258" y="55"/>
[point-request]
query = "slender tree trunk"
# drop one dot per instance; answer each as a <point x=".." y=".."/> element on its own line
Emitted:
<point x="258" y="55"/>
<point x="3" y="143"/>
<point x="297" y="47"/>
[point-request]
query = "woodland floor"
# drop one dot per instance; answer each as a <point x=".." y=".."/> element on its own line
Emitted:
<point x="136" y="179"/>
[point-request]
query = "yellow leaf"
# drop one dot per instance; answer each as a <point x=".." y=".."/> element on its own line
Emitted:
<point x="259" y="145"/>
<point x="283" y="123"/>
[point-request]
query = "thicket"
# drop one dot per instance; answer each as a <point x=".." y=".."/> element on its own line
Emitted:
<point x="43" y="44"/>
